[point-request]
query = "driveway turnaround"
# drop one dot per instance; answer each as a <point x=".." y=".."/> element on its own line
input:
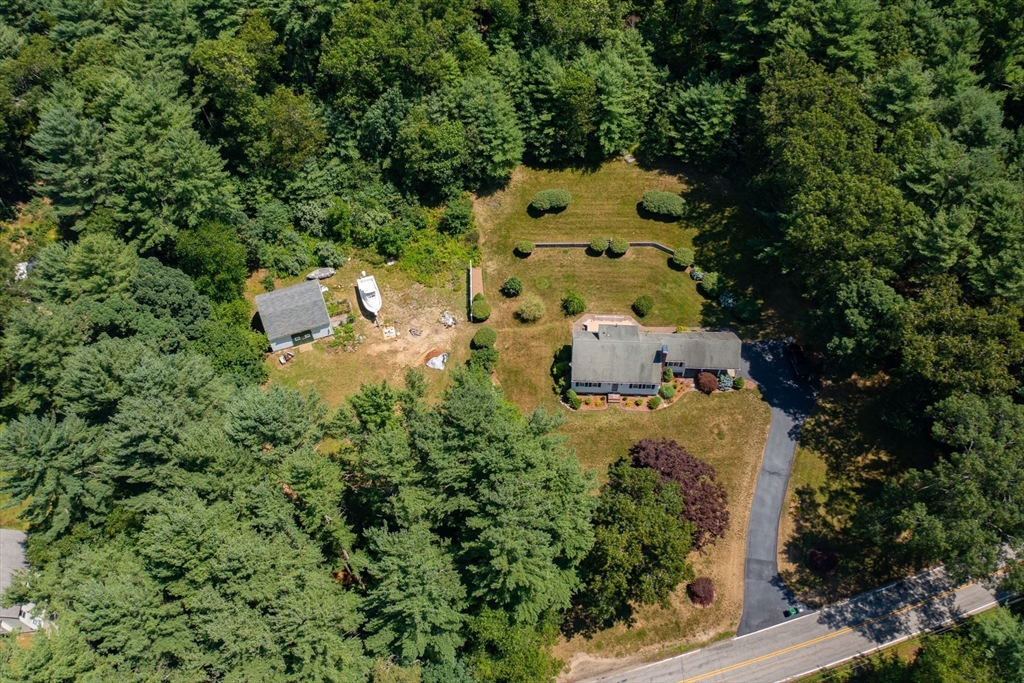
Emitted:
<point x="817" y="640"/>
<point x="765" y="598"/>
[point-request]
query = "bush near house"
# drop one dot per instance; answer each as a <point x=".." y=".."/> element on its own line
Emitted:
<point x="664" y="203"/>
<point x="531" y="310"/>
<point x="701" y="591"/>
<point x="573" y="303"/>
<point x="512" y="287"/>
<point x="643" y="305"/>
<point x="682" y="258"/>
<point x="667" y="375"/>
<point x="738" y="383"/>
<point x="618" y="247"/>
<point x="524" y="248"/>
<point x="711" y="285"/>
<point x="667" y="392"/>
<point x="573" y="399"/>
<point x="706" y="383"/>
<point x="725" y="383"/>
<point x="484" y="338"/>
<point x="653" y="402"/>
<point x="551" y="200"/>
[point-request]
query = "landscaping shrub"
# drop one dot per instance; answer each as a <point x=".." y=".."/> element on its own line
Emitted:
<point x="664" y="203"/>
<point x="530" y="310"/>
<point x="706" y="382"/>
<point x="484" y="338"/>
<point x="618" y="246"/>
<point x="738" y="383"/>
<point x="480" y="309"/>
<point x="551" y="200"/>
<point x="696" y="274"/>
<point x="682" y="258"/>
<point x="458" y="216"/>
<point x="586" y="401"/>
<point x="643" y="305"/>
<point x="822" y="560"/>
<point x="573" y="303"/>
<point x="512" y="287"/>
<point x="710" y="284"/>
<point x="727" y="300"/>
<point x="524" y="248"/>
<point x="573" y="399"/>
<point x="485" y="359"/>
<point x="268" y="282"/>
<point x="701" y="591"/>
<point x="667" y="392"/>
<point x="725" y="382"/>
<point x="747" y="310"/>
<point x="598" y="245"/>
<point x="667" y="375"/>
<point x="705" y="499"/>
<point x="653" y="402"/>
<point x="639" y="402"/>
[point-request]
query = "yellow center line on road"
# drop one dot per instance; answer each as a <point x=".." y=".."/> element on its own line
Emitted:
<point x="842" y="631"/>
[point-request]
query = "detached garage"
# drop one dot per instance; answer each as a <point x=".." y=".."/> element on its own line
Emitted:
<point x="294" y="315"/>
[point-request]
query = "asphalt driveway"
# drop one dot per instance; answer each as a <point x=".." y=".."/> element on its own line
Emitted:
<point x="765" y="598"/>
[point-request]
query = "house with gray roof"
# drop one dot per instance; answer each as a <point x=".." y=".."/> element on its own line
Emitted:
<point x="12" y="559"/>
<point x="294" y="315"/>
<point x="615" y="355"/>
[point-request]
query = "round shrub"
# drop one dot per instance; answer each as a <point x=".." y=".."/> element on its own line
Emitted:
<point x="643" y="305"/>
<point x="667" y="392"/>
<point x="682" y="258"/>
<point x="480" y="309"/>
<point x="512" y="287"/>
<point x="639" y="402"/>
<point x="706" y="383"/>
<point x="573" y="303"/>
<point x="747" y="310"/>
<point x="667" y="375"/>
<point x="573" y="400"/>
<point x="738" y="383"/>
<point x="524" y="248"/>
<point x="618" y="247"/>
<point x="551" y="200"/>
<point x="457" y="218"/>
<point x="598" y="245"/>
<point x="822" y="560"/>
<point x="653" y="402"/>
<point x="530" y="310"/>
<point x="485" y="359"/>
<point x="701" y="591"/>
<point x="484" y="338"/>
<point x="664" y="203"/>
<point x="725" y="382"/>
<point x="711" y="285"/>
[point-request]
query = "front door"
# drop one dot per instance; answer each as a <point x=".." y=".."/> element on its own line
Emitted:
<point x="615" y="388"/>
<point x="302" y="337"/>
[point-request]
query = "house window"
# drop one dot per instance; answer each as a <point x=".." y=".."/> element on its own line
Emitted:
<point x="588" y="384"/>
<point x="676" y="364"/>
<point x="642" y="386"/>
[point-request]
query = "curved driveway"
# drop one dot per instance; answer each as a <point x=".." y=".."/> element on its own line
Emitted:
<point x="765" y="597"/>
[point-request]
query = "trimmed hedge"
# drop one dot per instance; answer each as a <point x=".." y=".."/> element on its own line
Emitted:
<point x="682" y="257"/>
<point x="667" y="392"/>
<point x="524" y="248"/>
<point x="725" y="382"/>
<point x="706" y="383"/>
<point x="643" y="305"/>
<point x="598" y="245"/>
<point x="653" y="402"/>
<point x="711" y="285"/>
<point x="738" y="383"/>
<point x="668" y="375"/>
<point x="480" y="309"/>
<point x="664" y="203"/>
<point x="618" y="246"/>
<point x="512" y="287"/>
<point x="573" y="303"/>
<point x="531" y="310"/>
<point x="551" y="200"/>
<point x="484" y="338"/>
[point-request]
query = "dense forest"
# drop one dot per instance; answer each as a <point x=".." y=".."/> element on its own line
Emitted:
<point x="186" y="524"/>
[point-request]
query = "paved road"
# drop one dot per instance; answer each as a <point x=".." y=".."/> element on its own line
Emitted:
<point x="765" y="597"/>
<point x="821" y="639"/>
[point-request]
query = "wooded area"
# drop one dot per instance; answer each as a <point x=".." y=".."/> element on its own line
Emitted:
<point x="186" y="524"/>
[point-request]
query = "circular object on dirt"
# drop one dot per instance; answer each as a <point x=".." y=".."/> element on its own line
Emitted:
<point x="823" y="560"/>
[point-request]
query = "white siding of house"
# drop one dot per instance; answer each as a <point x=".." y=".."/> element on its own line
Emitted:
<point x="282" y="343"/>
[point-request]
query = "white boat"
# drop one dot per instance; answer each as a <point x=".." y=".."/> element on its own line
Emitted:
<point x="368" y="293"/>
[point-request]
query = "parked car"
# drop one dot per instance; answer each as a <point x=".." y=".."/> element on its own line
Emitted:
<point x="798" y="360"/>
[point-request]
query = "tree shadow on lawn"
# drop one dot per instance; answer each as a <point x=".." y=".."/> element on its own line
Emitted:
<point x="860" y="452"/>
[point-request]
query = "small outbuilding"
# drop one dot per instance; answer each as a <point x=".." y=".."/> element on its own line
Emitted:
<point x="294" y="315"/>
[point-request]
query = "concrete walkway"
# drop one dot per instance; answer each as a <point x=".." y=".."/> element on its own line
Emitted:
<point x="765" y="598"/>
<point x="819" y="640"/>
